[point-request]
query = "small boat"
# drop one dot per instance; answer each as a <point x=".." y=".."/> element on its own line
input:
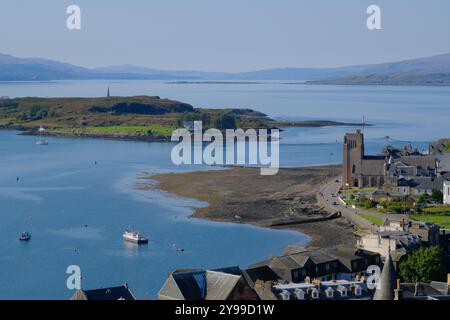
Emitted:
<point x="176" y="248"/>
<point x="134" y="236"/>
<point x="42" y="142"/>
<point x="25" y="236"/>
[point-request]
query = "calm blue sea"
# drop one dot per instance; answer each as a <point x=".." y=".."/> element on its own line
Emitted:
<point x="76" y="210"/>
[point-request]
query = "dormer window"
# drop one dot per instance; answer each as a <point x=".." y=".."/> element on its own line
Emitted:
<point x="315" y="294"/>
<point x="358" y="291"/>
<point x="285" y="295"/>
<point x="329" y="293"/>
<point x="342" y="291"/>
<point x="299" y="294"/>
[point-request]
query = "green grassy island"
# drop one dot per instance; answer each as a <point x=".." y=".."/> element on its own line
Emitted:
<point x="135" y="118"/>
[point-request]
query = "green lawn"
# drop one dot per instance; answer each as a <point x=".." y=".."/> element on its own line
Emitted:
<point x="437" y="210"/>
<point x="156" y="130"/>
<point x="375" y="220"/>
<point x="441" y="220"/>
<point x="355" y="190"/>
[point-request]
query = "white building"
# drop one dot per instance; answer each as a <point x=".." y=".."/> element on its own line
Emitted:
<point x="446" y="192"/>
<point x="376" y="243"/>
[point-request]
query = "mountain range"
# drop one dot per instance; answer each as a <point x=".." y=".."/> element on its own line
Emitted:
<point x="433" y="70"/>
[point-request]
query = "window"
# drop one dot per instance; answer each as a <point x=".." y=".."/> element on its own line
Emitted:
<point x="358" y="291"/>
<point x="299" y="294"/>
<point x="343" y="291"/>
<point x="295" y="275"/>
<point x="315" y="294"/>
<point x="329" y="292"/>
<point x="285" y="295"/>
<point x="327" y="267"/>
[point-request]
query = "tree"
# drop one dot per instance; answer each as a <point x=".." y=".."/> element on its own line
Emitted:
<point x="437" y="196"/>
<point x="224" y="121"/>
<point x="423" y="198"/>
<point x="423" y="265"/>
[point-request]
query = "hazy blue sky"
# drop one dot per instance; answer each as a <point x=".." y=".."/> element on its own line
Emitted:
<point x="224" y="35"/>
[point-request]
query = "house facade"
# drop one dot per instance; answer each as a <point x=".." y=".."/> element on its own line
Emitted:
<point x="446" y="192"/>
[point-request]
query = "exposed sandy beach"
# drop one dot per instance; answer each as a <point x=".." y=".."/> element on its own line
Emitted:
<point x="242" y="195"/>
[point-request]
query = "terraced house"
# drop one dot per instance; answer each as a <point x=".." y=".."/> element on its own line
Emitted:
<point x="323" y="264"/>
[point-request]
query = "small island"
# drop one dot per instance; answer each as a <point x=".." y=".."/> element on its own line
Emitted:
<point x="146" y="118"/>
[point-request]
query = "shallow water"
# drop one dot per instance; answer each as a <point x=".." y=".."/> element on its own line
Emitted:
<point x="76" y="211"/>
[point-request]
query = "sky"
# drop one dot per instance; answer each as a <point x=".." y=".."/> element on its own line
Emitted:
<point x="224" y="35"/>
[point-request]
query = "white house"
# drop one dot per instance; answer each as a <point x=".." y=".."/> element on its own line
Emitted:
<point x="446" y="192"/>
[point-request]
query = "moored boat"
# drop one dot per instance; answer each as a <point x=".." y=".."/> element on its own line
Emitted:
<point x="41" y="142"/>
<point x="134" y="236"/>
<point x="25" y="236"/>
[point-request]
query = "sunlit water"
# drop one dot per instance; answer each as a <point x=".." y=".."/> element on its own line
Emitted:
<point x="76" y="210"/>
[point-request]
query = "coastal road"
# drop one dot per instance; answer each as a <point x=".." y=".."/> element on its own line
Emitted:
<point x="327" y="196"/>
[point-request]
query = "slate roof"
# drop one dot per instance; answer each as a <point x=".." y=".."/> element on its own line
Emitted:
<point x="200" y="284"/>
<point x="429" y="184"/>
<point x="287" y="262"/>
<point x="219" y="285"/>
<point x="371" y="166"/>
<point x="423" y="289"/>
<point x="230" y="270"/>
<point x="112" y="293"/>
<point x="263" y="273"/>
<point x="294" y="261"/>
<point x="300" y="259"/>
<point x="423" y="161"/>
<point x="321" y="256"/>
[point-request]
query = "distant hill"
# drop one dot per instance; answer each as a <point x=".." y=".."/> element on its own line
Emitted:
<point x="430" y="71"/>
<point x="397" y="79"/>
<point x="423" y="71"/>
